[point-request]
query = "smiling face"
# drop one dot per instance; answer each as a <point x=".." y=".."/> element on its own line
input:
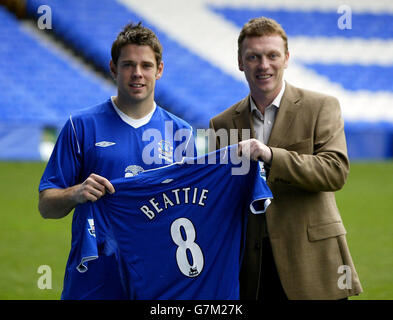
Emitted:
<point x="135" y="73"/>
<point x="263" y="60"/>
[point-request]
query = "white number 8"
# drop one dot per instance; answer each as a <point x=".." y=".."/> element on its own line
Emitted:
<point x="181" y="253"/>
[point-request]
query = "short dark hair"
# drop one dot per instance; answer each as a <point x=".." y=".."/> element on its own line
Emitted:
<point x="259" y="27"/>
<point x="139" y="35"/>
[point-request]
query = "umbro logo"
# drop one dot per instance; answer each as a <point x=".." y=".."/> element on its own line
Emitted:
<point x="104" y="144"/>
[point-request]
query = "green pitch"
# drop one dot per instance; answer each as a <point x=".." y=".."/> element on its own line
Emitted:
<point x="29" y="242"/>
<point x="366" y="206"/>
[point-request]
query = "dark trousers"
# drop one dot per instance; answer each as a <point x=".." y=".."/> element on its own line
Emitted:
<point x="270" y="288"/>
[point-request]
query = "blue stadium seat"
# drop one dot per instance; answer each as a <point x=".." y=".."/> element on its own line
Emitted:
<point x="38" y="88"/>
<point x="41" y="85"/>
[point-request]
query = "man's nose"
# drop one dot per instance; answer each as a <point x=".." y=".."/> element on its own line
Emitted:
<point x="136" y="72"/>
<point x="263" y="63"/>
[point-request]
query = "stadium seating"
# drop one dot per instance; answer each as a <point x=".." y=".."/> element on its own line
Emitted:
<point x="39" y="87"/>
<point x="193" y="87"/>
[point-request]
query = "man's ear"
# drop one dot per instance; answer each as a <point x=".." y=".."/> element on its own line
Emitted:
<point x="240" y="63"/>
<point x="286" y="60"/>
<point x="160" y="70"/>
<point x="112" y="68"/>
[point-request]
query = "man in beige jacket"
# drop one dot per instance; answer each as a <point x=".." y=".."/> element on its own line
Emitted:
<point x="298" y="250"/>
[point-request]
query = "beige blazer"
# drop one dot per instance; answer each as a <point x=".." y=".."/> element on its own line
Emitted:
<point x="306" y="231"/>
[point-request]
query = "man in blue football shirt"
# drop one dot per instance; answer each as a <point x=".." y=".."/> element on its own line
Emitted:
<point x="110" y="141"/>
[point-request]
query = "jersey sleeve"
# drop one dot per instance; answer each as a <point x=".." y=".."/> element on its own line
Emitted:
<point x="94" y="236"/>
<point x="88" y="245"/>
<point x="262" y="194"/>
<point x="84" y="237"/>
<point x="64" y="165"/>
<point x="90" y="273"/>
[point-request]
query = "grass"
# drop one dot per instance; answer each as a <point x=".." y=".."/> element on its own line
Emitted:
<point x="366" y="206"/>
<point x="28" y="241"/>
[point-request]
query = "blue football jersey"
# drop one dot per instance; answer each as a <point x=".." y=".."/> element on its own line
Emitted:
<point x="180" y="229"/>
<point x="99" y="141"/>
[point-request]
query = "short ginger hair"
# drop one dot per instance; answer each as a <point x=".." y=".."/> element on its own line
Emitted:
<point x="259" y="27"/>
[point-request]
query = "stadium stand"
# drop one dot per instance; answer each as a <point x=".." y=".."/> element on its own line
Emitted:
<point x="39" y="87"/>
<point x="187" y="78"/>
<point x="194" y="86"/>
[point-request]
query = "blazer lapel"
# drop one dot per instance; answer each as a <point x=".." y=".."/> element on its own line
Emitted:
<point x="242" y="118"/>
<point x="285" y="116"/>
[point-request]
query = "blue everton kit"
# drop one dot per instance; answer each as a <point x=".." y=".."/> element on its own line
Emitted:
<point x="100" y="140"/>
<point x="180" y="229"/>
